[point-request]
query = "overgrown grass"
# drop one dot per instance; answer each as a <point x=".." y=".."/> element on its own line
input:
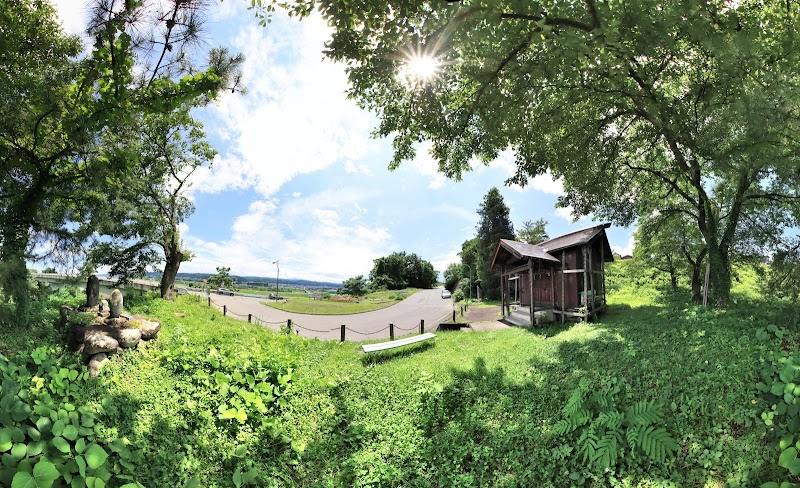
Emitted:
<point x="469" y="409"/>
<point x="373" y="301"/>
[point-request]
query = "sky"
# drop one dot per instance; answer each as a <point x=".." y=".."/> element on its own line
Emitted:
<point x="298" y="179"/>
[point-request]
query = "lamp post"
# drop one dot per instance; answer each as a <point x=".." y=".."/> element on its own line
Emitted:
<point x="278" y="279"/>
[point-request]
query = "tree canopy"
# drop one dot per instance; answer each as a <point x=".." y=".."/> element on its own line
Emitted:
<point x="683" y="107"/>
<point x="533" y="232"/>
<point x="400" y="270"/>
<point x="55" y="107"/>
<point x="144" y="212"/>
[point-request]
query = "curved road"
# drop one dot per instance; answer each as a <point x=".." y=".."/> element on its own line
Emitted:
<point x="427" y="305"/>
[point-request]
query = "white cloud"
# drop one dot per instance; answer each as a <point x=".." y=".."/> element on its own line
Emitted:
<point x="294" y="120"/>
<point x="353" y="167"/>
<point x="567" y="213"/>
<point x="297" y="194"/>
<point x="73" y="17"/>
<point x="321" y="237"/>
<point x="627" y="250"/>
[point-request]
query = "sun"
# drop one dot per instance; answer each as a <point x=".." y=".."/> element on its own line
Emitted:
<point x="422" y="68"/>
<point x="419" y="65"/>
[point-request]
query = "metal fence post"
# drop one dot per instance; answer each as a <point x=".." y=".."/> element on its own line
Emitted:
<point x="391" y="332"/>
<point x="342" y="333"/>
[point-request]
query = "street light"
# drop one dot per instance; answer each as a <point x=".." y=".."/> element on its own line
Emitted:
<point x="278" y="279"/>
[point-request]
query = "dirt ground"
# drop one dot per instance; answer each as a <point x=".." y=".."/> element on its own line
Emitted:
<point x="482" y="314"/>
<point x="484" y="318"/>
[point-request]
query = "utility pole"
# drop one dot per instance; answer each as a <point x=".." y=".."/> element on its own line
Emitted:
<point x="278" y="279"/>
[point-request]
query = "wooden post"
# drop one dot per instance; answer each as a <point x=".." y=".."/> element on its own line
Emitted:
<point x="224" y="310"/>
<point x="553" y="288"/>
<point x="563" y="286"/>
<point x="454" y="315"/>
<point x="603" y="269"/>
<point x="391" y="332"/>
<point x="289" y="325"/>
<point x="585" y="287"/>
<point x="209" y="301"/>
<point x="508" y="294"/>
<point x="530" y="287"/>
<point x="591" y="283"/>
<point x="502" y="291"/>
<point x="422" y="326"/>
<point x="250" y="318"/>
<point x="342" y="333"/>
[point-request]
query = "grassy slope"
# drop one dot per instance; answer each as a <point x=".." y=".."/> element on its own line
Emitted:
<point x="373" y="301"/>
<point x="473" y="409"/>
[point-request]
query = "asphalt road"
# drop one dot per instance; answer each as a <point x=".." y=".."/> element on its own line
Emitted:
<point x="427" y="305"/>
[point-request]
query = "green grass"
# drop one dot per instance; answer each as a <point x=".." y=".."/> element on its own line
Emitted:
<point x="373" y="301"/>
<point x="467" y="409"/>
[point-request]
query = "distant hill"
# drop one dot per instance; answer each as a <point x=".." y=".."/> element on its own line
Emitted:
<point x="254" y="280"/>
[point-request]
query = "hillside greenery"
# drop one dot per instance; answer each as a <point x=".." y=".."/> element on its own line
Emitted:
<point x="219" y="402"/>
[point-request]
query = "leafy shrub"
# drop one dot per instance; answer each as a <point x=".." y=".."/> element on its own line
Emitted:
<point x="47" y="435"/>
<point x="458" y="295"/>
<point x="606" y="431"/>
<point x="780" y="401"/>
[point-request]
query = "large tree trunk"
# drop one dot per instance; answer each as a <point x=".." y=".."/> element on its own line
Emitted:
<point x="13" y="272"/>
<point x="174" y="256"/>
<point x="720" y="277"/>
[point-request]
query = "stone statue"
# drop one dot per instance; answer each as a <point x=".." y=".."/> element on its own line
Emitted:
<point x="92" y="291"/>
<point x="115" y="304"/>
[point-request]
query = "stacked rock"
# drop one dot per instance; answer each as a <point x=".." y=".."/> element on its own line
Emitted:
<point x="112" y="331"/>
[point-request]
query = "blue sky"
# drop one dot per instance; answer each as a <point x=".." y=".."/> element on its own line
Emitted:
<point x="299" y="179"/>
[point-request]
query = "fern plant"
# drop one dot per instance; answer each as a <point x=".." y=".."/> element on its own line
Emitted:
<point x="604" y="431"/>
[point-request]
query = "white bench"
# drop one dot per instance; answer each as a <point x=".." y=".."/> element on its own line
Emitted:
<point x="399" y="342"/>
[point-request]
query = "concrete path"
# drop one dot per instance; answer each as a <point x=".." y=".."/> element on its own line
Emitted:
<point x="427" y="305"/>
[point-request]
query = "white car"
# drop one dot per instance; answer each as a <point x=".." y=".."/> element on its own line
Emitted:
<point x="225" y="291"/>
<point x="446" y="294"/>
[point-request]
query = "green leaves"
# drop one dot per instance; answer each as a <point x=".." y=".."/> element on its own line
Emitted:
<point x="43" y="476"/>
<point x="605" y="431"/>
<point x="95" y="456"/>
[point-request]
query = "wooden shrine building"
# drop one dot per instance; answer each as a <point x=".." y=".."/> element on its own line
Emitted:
<point x="562" y="278"/>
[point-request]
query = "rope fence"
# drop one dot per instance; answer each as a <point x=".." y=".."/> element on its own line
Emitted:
<point x="288" y="326"/>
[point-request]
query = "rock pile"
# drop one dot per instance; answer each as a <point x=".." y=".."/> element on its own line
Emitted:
<point x="111" y="332"/>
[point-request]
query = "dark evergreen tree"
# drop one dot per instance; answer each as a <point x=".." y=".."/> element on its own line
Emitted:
<point x="494" y="224"/>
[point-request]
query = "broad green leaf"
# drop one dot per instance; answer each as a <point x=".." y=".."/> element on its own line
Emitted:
<point x="45" y="473"/>
<point x="81" y="465"/>
<point x="61" y="444"/>
<point x="20" y="411"/>
<point x="95" y="456"/>
<point x="36" y="448"/>
<point x="787" y="457"/>
<point x="70" y="432"/>
<point x="80" y="445"/>
<point x="19" y="451"/>
<point x="237" y="477"/>
<point x="5" y="439"/>
<point x="249" y="476"/>
<point x="58" y="428"/>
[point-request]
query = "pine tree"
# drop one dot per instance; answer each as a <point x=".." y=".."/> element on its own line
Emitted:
<point x="495" y="224"/>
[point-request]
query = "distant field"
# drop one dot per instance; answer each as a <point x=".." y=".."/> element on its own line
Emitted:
<point x="301" y="303"/>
